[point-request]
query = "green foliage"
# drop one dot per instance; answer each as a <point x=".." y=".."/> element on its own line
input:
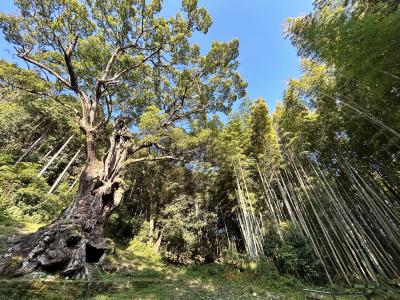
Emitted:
<point x="121" y="226"/>
<point x="18" y="77"/>
<point x="145" y="60"/>
<point x="266" y="269"/>
<point x="142" y="67"/>
<point x="188" y="228"/>
<point x="3" y="205"/>
<point x="232" y="141"/>
<point x="264" y="145"/>
<point x="5" y="159"/>
<point x="26" y="195"/>
<point x="350" y="77"/>
<point x="360" y="42"/>
<point x="231" y="258"/>
<point x="293" y="255"/>
<point x="347" y="92"/>
<point x="140" y="245"/>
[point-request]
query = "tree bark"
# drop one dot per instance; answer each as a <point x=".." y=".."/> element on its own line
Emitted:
<point x="77" y="237"/>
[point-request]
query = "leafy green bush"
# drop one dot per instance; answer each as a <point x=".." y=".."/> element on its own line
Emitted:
<point x="29" y="195"/>
<point x="23" y="194"/>
<point x="122" y="226"/>
<point x="5" y="159"/>
<point x="3" y="205"/>
<point x="140" y="245"/>
<point x="293" y="254"/>
<point x="188" y="228"/>
<point x="266" y="269"/>
<point x="232" y="258"/>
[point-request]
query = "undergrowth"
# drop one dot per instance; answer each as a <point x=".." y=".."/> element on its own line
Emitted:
<point x="142" y="274"/>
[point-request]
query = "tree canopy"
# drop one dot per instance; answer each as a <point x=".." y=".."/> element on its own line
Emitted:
<point x="118" y="138"/>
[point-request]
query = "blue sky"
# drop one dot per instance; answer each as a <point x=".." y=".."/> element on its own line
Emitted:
<point x="267" y="60"/>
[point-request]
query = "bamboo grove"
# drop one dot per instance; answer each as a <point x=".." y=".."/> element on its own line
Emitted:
<point x="335" y="183"/>
<point x="312" y="188"/>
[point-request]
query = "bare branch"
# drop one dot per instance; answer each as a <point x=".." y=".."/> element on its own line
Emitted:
<point x="109" y="107"/>
<point x="25" y="57"/>
<point x="41" y="94"/>
<point x="191" y="112"/>
<point x="123" y="72"/>
<point x="71" y="71"/>
<point x="152" y="158"/>
<point x="143" y="145"/>
<point x="110" y="64"/>
<point x="105" y="80"/>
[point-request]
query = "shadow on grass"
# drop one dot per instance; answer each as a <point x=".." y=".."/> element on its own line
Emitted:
<point x="143" y="280"/>
<point x="158" y="280"/>
<point x="139" y="277"/>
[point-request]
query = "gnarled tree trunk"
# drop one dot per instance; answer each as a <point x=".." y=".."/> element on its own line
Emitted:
<point x="77" y="237"/>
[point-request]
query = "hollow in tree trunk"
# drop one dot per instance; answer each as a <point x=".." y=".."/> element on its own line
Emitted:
<point x="77" y="237"/>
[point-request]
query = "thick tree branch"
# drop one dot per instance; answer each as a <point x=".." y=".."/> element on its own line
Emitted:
<point x="143" y="145"/>
<point x="72" y="84"/>
<point x="71" y="71"/>
<point x="55" y="98"/>
<point x="109" y="107"/>
<point x="105" y="78"/>
<point x="152" y="158"/>
<point x="105" y="81"/>
<point x="25" y="57"/>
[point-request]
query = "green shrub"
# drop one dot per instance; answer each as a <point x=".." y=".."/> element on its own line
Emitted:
<point x="188" y="230"/>
<point x="140" y="245"/>
<point x="5" y="159"/>
<point x="122" y="226"/>
<point x="266" y="269"/>
<point x="293" y="254"/>
<point x="29" y="195"/>
<point x="3" y="205"/>
<point x="232" y="258"/>
<point x="23" y="194"/>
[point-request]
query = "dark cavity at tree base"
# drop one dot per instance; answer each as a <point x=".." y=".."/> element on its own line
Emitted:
<point x="59" y="248"/>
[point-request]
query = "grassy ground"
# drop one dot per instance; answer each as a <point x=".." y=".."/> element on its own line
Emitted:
<point x="143" y="275"/>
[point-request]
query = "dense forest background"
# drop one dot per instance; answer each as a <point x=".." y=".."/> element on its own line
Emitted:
<point x="310" y="190"/>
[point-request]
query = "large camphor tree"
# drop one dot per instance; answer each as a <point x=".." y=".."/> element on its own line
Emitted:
<point x="142" y="92"/>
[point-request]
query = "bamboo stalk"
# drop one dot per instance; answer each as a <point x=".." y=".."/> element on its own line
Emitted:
<point x="55" y="184"/>
<point x="55" y="156"/>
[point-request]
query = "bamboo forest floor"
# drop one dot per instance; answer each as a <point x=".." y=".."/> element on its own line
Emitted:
<point x="144" y="277"/>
